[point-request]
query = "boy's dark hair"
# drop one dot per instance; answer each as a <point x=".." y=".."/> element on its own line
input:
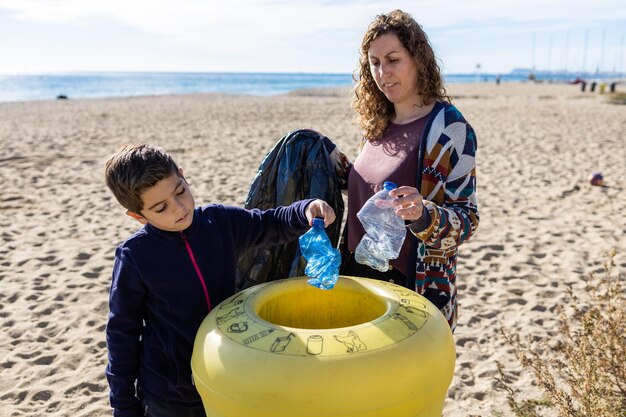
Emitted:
<point x="133" y="169"/>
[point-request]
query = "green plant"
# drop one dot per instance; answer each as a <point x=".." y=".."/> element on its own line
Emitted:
<point x="617" y="98"/>
<point x="584" y="373"/>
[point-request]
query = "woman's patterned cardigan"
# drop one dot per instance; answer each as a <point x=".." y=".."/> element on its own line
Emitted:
<point x="447" y="178"/>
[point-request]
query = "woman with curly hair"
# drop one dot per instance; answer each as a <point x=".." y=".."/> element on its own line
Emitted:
<point x="416" y="138"/>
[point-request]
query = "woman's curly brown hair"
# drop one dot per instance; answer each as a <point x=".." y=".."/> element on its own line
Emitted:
<point x="373" y="109"/>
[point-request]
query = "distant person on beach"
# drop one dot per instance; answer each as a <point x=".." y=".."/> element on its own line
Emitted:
<point x="414" y="137"/>
<point x="169" y="274"/>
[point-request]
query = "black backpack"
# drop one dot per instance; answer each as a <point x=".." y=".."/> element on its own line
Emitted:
<point x="298" y="167"/>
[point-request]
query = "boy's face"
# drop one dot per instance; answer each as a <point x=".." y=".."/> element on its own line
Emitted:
<point x="168" y="205"/>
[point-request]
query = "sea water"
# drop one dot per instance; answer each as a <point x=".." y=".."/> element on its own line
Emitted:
<point x="125" y="84"/>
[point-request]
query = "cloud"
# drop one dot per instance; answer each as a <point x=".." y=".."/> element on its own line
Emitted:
<point x="316" y="33"/>
<point x="287" y="16"/>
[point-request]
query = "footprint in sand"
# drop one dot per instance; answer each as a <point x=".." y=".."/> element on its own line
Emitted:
<point x="42" y="396"/>
<point x="91" y="275"/>
<point x="466" y="375"/>
<point x="86" y="388"/>
<point x="15" y="398"/>
<point x="81" y="259"/>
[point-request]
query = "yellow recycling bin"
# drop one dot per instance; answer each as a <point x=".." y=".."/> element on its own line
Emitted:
<point x="366" y="348"/>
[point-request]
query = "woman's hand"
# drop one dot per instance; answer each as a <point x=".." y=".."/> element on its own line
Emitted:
<point x="407" y="202"/>
<point x="320" y="208"/>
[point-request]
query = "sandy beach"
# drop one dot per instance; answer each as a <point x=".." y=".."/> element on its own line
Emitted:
<point x="543" y="226"/>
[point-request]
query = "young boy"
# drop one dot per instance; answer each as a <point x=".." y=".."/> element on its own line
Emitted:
<point x="169" y="274"/>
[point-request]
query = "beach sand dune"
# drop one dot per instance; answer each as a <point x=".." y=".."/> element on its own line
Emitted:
<point x="543" y="226"/>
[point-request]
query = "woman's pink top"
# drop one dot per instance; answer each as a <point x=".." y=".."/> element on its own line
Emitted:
<point x="393" y="158"/>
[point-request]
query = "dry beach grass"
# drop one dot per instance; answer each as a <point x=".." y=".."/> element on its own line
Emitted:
<point x="543" y="227"/>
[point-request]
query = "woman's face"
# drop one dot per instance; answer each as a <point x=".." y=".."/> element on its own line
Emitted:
<point x="394" y="69"/>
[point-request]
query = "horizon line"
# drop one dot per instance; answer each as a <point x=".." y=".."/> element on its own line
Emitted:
<point x="515" y="71"/>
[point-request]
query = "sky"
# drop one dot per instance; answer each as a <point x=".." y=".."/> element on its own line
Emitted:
<point x="323" y="36"/>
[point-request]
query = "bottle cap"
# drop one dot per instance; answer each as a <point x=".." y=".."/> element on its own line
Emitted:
<point x="389" y="185"/>
<point x="318" y="222"/>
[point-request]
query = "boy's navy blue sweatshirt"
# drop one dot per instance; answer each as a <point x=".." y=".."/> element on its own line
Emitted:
<point x="157" y="299"/>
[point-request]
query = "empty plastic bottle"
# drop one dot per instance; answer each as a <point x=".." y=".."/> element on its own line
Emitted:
<point x="323" y="259"/>
<point x="384" y="231"/>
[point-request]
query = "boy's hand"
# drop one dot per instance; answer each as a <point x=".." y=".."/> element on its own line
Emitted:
<point x="320" y="208"/>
